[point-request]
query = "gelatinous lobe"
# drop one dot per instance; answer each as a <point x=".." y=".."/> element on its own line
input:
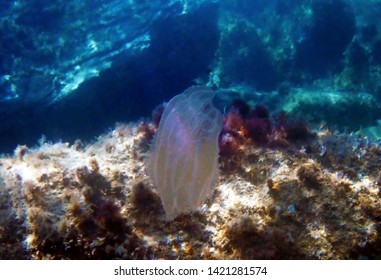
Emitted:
<point x="183" y="161"/>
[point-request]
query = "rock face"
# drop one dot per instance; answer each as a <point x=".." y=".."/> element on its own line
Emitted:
<point x="338" y="108"/>
<point x="183" y="162"/>
<point x="316" y="200"/>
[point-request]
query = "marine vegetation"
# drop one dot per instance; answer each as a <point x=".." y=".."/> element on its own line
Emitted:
<point x="283" y="191"/>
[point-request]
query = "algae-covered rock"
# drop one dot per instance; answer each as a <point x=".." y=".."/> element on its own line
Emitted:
<point x="318" y="199"/>
<point x="350" y="110"/>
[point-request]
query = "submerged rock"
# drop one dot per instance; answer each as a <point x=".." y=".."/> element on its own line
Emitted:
<point x="95" y="202"/>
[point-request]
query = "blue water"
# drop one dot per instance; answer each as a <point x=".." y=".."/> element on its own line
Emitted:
<point x="72" y="69"/>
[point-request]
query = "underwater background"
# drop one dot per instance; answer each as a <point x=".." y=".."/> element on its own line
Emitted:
<point x="71" y="69"/>
<point x="288" y="167"/>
